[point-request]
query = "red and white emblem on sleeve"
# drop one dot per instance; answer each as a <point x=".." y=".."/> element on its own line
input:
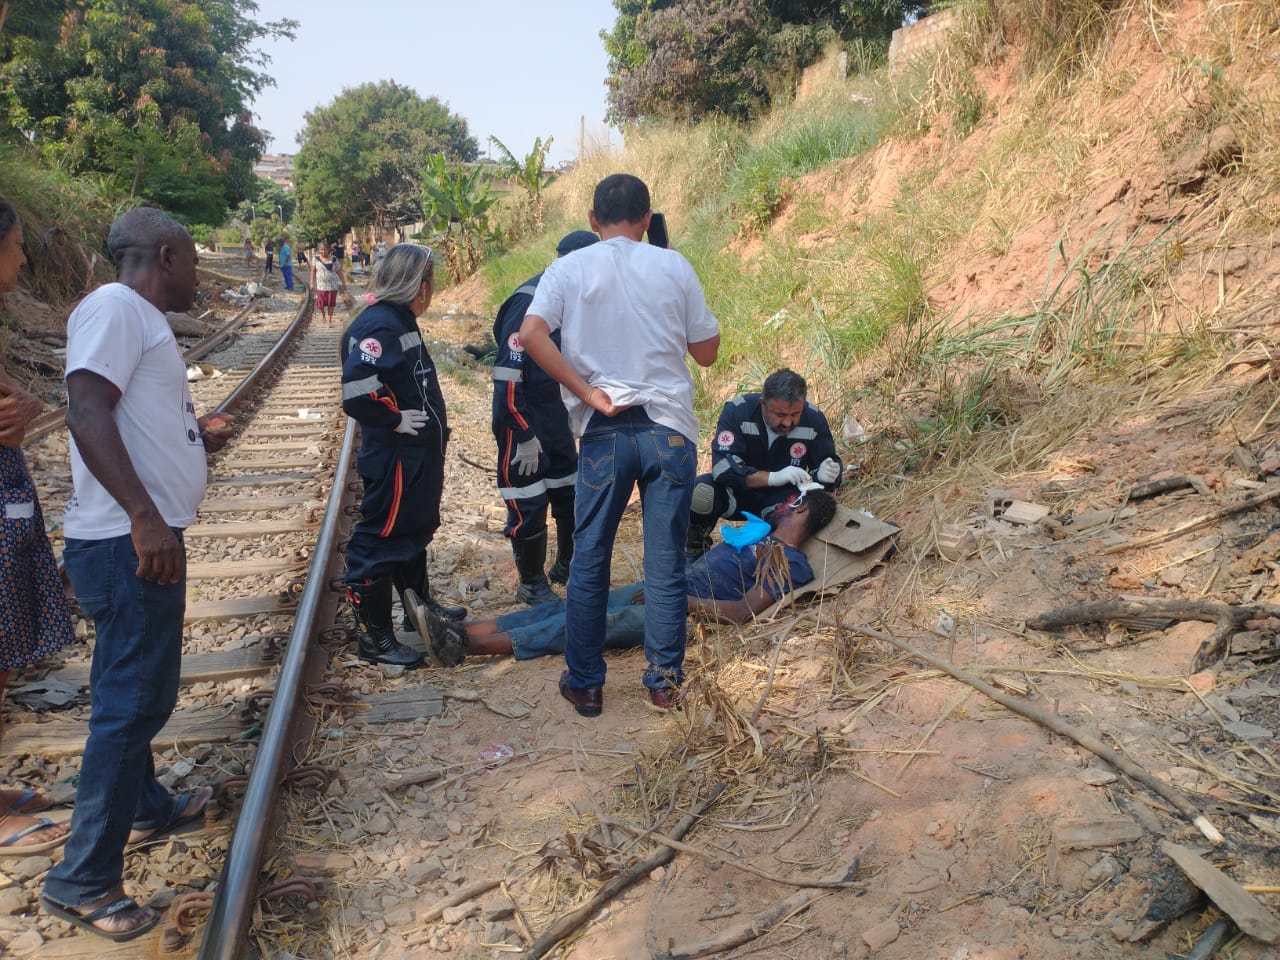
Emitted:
<point x="798" y="450"/>
<point x="724" y="439"/>
<point x="514" y="344"/>
<point x="371" y="346"/>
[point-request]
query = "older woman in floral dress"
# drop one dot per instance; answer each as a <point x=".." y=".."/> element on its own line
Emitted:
<point x="33" y="609"/>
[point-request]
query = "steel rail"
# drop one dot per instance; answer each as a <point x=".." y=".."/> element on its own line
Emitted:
<point x="46" y="423"/>
<point x="233" y="904"/>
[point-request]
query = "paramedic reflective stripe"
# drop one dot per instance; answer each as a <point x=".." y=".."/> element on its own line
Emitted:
<point x="410" y="340"/>
<point x="360" y="388"/>
<point x="508" y="373"/>
<point x="537" y="489"/>
<point x="749" y="429"/>
<point x="527" y="290"/>
<point x="555" y="482"/>
<point x="802" y="433"/>
<point x="724" y="465"/>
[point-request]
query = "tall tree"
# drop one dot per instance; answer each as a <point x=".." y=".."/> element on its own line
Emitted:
<point x="689" y="59"/>
<point x="361" y="156"/>
<point x="153" y="95"/>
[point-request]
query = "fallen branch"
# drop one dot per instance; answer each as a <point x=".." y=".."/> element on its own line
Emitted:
<point x="759" y="924"/>
<point x="1227" y="617"/>
<point x="1058" y="725"/>
<point x="716" y="854"/>
<point x="461" y="895"/>
<point x="570" y="922"/>
<point x="1248" y="503"/>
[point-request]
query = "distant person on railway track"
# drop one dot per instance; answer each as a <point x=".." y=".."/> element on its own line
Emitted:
<point x="390" y="385"/>
<point x="138" y="468"/>
<point x="248" y="252"/>
<point x="327" y="280"/>
<point x="537" y="455"/>
<point x="34" y="622"/>
<point x="726" y="584"/>
<point x="628" y="312"/>
<point x="270" y="250"/>
<point x="286" y="263"/>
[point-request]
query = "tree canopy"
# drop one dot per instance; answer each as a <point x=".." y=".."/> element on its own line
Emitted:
<point x="689" y="59"/>
<point x="361" y="156"/>
<point x="152" y="95"/>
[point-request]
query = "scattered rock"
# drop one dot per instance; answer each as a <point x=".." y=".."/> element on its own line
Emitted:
<point x="1086" y="833"/>
<point x="881" y="935"/>
<point x="1248" y="731"/>
<point x="454" y="915"/>
<point x="1202" y="681"/>
<point x="13" y="902"/>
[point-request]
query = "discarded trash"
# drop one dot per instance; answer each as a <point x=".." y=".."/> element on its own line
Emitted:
<point x="495" y="754"/>
<point x="305" y="414"/>
<point x="853" y="431"/>
<point x="946" y="624"/>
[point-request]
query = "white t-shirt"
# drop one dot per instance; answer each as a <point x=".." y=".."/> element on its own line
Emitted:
<point x="123" y="338"/>
<point x="626" y="313"/>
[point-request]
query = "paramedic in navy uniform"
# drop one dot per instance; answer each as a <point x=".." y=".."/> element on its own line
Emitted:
<point x="766" y="444"/>
<point x="390" y="385"/>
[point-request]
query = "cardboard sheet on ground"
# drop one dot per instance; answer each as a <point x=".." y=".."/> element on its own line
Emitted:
<point x="846" y="549"/>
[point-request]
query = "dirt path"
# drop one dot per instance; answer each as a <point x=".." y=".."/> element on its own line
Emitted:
<point x="977" y="833"/>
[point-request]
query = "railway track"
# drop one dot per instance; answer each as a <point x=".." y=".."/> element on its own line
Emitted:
<point x="262" y="561"/>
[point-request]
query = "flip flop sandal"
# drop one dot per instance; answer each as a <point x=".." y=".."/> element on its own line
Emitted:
<point x="86" y="921"/>
<point x="23" y="800"/>
<point x="187" y="811"/>
<point x="9" y="846"/>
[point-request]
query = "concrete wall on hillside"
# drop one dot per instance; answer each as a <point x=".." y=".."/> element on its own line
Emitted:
<point x="920" y="37"/>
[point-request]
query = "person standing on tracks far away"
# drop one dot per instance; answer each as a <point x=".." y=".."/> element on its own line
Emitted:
<point x="390" y="386"/>
<point x="327" y="280"/>
<point x="138" y="470"/>
<point x="34" y="622"/>
<point x="766" y="445"/>
<point x="627" y="313"/>
<point x="248" y="252"/>
<point x="270" y="250"/>
<point x="537" y="456"/>
<point x="286" y="263"/>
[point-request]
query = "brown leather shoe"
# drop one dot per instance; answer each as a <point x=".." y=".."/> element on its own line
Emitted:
<point x="667" y="698"/>
<point x="589" y="701"/>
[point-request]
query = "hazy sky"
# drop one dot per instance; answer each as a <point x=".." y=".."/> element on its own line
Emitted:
<point x="512" y="69"/>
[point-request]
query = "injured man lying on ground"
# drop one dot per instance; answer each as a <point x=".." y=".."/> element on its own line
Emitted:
<point x="726" y="583"/>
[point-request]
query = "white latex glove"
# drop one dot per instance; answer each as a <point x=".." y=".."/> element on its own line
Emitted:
<point x="411" y="421"/>
<point x="828" y="471"/>
<point x="793" y="476"/>
<point x="526" y="457"/>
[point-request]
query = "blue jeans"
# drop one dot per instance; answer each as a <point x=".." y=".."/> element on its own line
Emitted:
<point x="614" y="454"/>
<point x="133" y="686"/>
<point x="286" y="271"/>
<point x="539" y="630"/>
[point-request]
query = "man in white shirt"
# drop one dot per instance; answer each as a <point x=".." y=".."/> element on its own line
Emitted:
<point x="138" y="467"/>
<point x="627" y="313"/>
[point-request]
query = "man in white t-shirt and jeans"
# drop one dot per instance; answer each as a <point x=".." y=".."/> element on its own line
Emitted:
<point x="138" y="467"/>
<point x="628" y="312"/>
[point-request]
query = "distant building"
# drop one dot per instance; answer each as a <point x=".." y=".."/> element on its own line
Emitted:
<point x="276" y="167"/>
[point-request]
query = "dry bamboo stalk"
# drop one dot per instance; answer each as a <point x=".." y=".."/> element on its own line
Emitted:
<point x="1196" y="522"/>
<point x="572" y="920"/>
<point x="1057" y="725"/>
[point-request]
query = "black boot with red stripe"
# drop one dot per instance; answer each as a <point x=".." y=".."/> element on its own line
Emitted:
<point x="371" y="606"/>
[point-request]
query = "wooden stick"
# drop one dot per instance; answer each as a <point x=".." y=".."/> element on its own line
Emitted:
<point x="1228" y="618"/>
<point x="717" y="854"/>
<point x="461" y="895"/>
<point x="1058" y="725"/>
<point x="761" y="923"/>
<point x="1248" y="503"/>
<point x="572" y="920"/>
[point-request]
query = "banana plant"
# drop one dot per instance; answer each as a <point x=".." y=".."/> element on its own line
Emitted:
<point x="456" y="203"/>
<point x="528" y="174"/>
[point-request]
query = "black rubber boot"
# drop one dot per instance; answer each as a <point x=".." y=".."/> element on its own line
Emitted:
<point x="371" y="605"/>
<point x="698" y="540"/>
<point x="531" y="557"/>
<point x="559" y="572"/>
<point x="413" y="576"/>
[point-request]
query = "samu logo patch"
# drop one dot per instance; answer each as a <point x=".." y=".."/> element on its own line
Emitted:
<point x="724" y="439"/>
<point x="371" y="348"/>
<point x="798" y="450"/>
